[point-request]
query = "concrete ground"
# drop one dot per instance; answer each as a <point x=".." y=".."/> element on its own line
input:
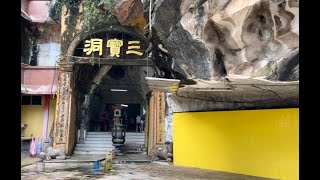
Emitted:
<point x="82" y="171"/>
<point x="79" y="158"/>
<point x="27" y="160"/>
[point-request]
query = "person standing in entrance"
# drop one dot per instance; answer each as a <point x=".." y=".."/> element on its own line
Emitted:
<point x="138" y="121"/>
<point x="142" y="123"/>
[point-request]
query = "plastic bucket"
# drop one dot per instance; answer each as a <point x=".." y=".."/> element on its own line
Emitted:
<point x="96" y="166"/>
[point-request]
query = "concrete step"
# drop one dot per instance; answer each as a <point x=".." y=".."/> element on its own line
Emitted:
<point x="130" y="137"/>
<point x="132" y="148"/>
<point x="98" y="135"/>
<point x="108" y="143"/>
<point x="101" y="143"/>
<point x="140" y="138"/>
<point x="133" y="145"/>
<point x="142" y="143"/>
<point x="134" y="142"/>
<point x="110" y="137"/>
<point x="98" y="142"/>
<point x="135" y="133"/>
<point x="105" y="133"/>
<point x="127" y="141"/>
<point x="106" y="149"/>
<point x="134" y="152"/>
<point x="89" y="152"/>
<point x="134" y="138"/>
<point x="98" y="138"/>
<point x="95" y="145"/>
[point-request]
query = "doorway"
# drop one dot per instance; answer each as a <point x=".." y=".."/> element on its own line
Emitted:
<point x="128" y="115"/>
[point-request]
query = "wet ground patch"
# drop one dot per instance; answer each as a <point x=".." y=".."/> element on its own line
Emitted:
<point x="65" y="171"/>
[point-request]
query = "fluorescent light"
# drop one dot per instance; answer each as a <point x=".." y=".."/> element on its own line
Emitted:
<point x="124" y="105"/>
<point x="119" y="90"/>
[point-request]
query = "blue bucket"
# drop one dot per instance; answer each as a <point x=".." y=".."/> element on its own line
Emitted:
<point x="96" y="166"/>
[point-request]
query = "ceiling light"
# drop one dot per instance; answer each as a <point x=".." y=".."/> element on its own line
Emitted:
<point x="124" y="105"/>
<point x="119" y="90"/>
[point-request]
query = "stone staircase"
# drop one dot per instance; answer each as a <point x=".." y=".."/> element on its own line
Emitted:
<point x="101" y="143"/>
<point x="134" y="143"/>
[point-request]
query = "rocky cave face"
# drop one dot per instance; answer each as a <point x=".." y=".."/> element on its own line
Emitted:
<point x="210" y="39"/>
<point x="201" y="40"/>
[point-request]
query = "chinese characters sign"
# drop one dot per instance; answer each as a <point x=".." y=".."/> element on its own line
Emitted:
<point x="160" y="113"/>
<point x="93" y="45"/>
<point x="63" y="111"/>
<point x="134" y="48"/>
<point x="114" y="46"/>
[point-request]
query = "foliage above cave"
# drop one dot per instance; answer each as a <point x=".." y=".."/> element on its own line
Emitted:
<point x="95" y="12"/>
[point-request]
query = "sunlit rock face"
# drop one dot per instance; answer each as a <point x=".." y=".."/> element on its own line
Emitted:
<point x="129" y="13"/>
<point x="210" y="39"/>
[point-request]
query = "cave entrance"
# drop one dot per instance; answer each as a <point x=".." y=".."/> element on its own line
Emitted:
<point x="122" y="88"/>
<point x="106" y="94"/>
<point x="102" y="70"/>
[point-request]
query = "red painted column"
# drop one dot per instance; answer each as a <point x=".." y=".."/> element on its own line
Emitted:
<point x="45" y="116"/>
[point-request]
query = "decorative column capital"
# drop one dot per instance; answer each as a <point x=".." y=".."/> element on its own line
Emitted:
<point x="65" y="66"/>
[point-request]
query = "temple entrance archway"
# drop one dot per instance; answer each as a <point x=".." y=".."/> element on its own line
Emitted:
<point x="100" y="61"/>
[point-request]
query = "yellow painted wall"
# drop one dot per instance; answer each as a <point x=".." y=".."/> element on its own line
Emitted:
<point x="33" y="117"/>
<point x="52" y="109"/>
<point x="254" y="142"/>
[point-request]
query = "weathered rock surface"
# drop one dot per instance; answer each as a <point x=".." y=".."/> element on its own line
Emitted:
<point x="215" y="38"/>
<point x="210" y="40"/>
<point x="129" y="13"/>
<point x="240" y="93"/>
<point x="127" y="10"/>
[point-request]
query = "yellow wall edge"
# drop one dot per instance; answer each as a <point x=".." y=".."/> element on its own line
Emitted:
<point x="32" y="115"/>
<point x="253" y="142"/>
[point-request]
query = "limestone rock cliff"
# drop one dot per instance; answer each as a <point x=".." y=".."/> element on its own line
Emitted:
<point x="210" y="39"/>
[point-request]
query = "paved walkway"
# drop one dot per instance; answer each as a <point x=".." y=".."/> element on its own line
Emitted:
<point x="79" y="159"/>
<point x="128" y="158"/>
<point x="26" y="161"/>
<point x="77" y="171"/>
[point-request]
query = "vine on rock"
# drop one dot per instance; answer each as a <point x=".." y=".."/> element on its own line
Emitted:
<point x="95" y="12"/>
